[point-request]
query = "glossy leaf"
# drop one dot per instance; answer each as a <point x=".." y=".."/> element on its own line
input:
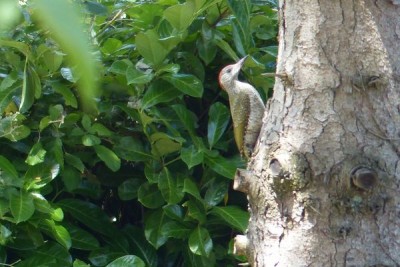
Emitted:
<point x="82" y="239"/>
<point x="159" y="92"/>
<point x="108" y="157"/>
<point x="186" y="83"/>
<point x="218" y="119"/>
<point x="216" y="192"/>
<point x="127" y="260"/>
<point x="8" y="168"/>
<point x="90" y="140"/>
<point x="150" y="47"/>
<point x="150" y="196"/>
<point x="131" y="149"/>
<point x="36" y="155"/>
<point x="30" y="87"/>
<point x="140" y="246"/>
<point x="200" y="242"/>
<point x="50" y="254"/>
<point x="21" y="206"/>
<point x="164" y="144"/>
<point x="233" y="216"/>
<point x="134" y="76"/>
<point x="153" y="228"/>
<point x="222" y="166"/>
<point x="190" y="187"/>
<point x="176" y="230"/>
<point x="170" y="186"/>
<point x="192" y="156"/>
<point x="88" y="214"/>
<point x="58" y="232"/>
<point x="196" y="210"/>
<point x="180" y="16"/>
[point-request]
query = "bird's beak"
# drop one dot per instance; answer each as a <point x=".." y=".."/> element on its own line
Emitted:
<point x="239" y="65"/>
<point x="241" y="61"/>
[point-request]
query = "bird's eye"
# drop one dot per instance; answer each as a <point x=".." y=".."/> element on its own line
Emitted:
<point x="229" y="70"/>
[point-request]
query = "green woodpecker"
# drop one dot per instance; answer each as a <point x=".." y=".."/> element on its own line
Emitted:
<point x="247" y="108"/>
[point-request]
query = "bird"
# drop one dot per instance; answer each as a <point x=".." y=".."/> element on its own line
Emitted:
<point x="247" y="108"/>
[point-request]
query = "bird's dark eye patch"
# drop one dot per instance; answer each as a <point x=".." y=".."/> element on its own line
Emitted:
<point x="229" y="70"/>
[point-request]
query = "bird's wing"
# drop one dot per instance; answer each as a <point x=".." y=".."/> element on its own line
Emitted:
<point x="240" y="110"/>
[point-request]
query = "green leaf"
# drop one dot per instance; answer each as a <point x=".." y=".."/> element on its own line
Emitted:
<point x="90" y="140"/>
<point x="128" y="190"/>
<point x="127" y="260"/>
<point x="241" y="24"/>
<point x="120" y="66"/>
<point x="31" y="87"/>
<point x="100" y="130"/>
<point x="221" y="165"/>
<point x="174" y="211"/>
<point x="74" y="161"/>
<point x="82" y="239"/>
<point x="163" y="144"/>
<point x="58" y="232"/>
<point x="218" y="119"/>
<point x="233" y="216"/>
<point x="36" y="155"/>
<point x="180" y="16"/>
<point x="150" y="47"/>
<point x="150" y="196"/>
<point x="186" y="83"/>
<point x="140" y="246"/>
<point x="187" y="117"/>
<point x="216" y="191"/>
<point x="79" y="263"/>
<point x="223" y="45"/>
<point x="159" y="92"/>
<point x="192" y="156"/>
<point x="196" y="210"/>
<point x="131" y="149"/>
<point x="52" y="59"/>
<point x="42" y="205"/>
<point x="104" y="255"/>
<point x="39" y="175"/>
<point x="20" y="46"/>
<point x="111" y="45"/>
<point x="176" y="230"/>
<point x="7" y="90"/>
<point x="5" y="235"/>
<point x="96" y="8"/>
<point x="200" y="242"/>
<point x="50" y="254"/>
<point x="134" y="76"/>
<point x="108" y="157"/>
<point x="68" y="95"/>
<point x="11" y="127"/>
<point x="153" y="228"/>
<point x="191" y="188"/>
<point x="21" y="206"/>
<point x="88" y="214"/>
<point x="8" y="168"/>
<point x="63" y="19"/>
<point x="170" y="186"/>
<point x="56" y="151"/>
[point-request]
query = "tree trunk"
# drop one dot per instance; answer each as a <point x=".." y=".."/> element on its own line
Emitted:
<point x="323" y="181"/>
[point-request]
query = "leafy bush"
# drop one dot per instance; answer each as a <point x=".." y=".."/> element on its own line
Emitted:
<point x="138" y="172"/>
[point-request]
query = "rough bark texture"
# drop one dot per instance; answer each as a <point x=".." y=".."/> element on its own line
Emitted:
<point x="324" y="179"/>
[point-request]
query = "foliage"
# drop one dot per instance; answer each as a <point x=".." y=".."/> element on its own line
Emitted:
<point x="143" y="180"/>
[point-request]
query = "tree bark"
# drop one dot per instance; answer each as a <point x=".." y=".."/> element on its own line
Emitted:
<point x="323" y="181"/>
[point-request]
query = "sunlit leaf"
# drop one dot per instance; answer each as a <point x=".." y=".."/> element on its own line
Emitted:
<point x="200" y="242"/>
